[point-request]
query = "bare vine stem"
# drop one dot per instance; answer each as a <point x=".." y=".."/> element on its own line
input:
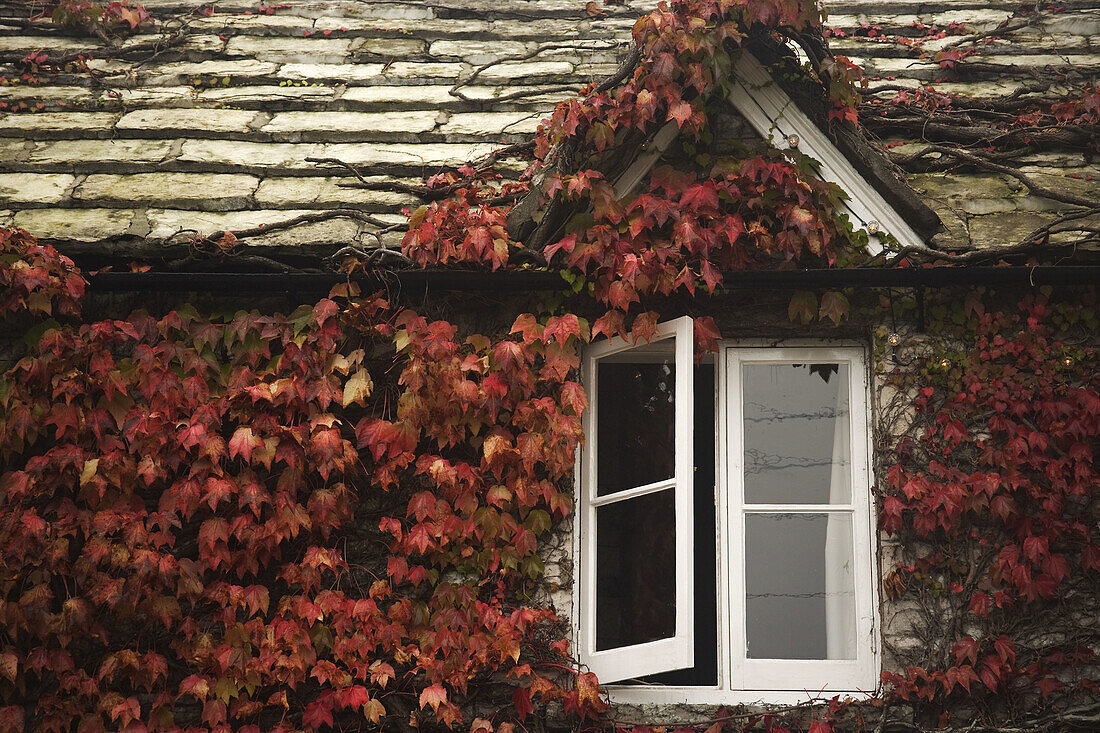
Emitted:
<point x="976" y="160"/>
<point x="456" y="90"/>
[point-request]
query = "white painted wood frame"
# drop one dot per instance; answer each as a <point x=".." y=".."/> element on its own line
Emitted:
<point x="740" y="680"/>
<point x="677" y="651"/>
<point x="829" y="675"/>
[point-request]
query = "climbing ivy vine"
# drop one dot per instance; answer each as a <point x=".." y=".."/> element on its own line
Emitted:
<point x="331" y="519"/>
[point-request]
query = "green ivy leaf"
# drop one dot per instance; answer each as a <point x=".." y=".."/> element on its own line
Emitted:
<point x="834" y="305"/>
<point x="803" y="307"/>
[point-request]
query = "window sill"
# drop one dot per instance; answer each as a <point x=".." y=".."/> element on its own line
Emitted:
<point x="653" y="695"/>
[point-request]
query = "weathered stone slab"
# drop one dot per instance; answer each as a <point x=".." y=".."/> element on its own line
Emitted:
<point x="187" y="121"/>
<point x="406" y="72"/>
<point x="254" y="25"/>
<point x="1078" y="61"/>
<point x="228" y="155"/>
<point x="399" y="11"/>
<point x="973" y="89"/>
<point x="952" y="186"/>
<point x="520" y="8"/>
<point x="388" y="47"/>
<point x="466" y="125"/>
<point x="332" y="72"/>
<point x="56" y="45"/>
<point x="416" y="158"/>
<point x="430" y="154"/>
<point x="34" y="188"/>
<point x="290" y="50"/>
<point x="477" y="52"/>
<point x="421" y="27"/>
<point x="50" y="94"/>
<point x="1020" y="43"/>
<point x="85" y="155"/>
<point x="955" y="234"/>
<point x="267" y="94"/>
<point x="13" y="151"/>
<point x="1071" y="24"/>
<point x="595" y="71"/>
<point x="165" y="224"/>
<point x="183" y="71"/>
<point x="976" y="19"/>
<point x="527" y="70"/>
<point x="81" y="225"/>
<point x="979" y="206"/>
<point x="427" y="95"/>
<point x="57" y="124"/>
<point x="540" y="30"/>
<point x="310" y="192"/>
<point x="1085" y="184"/>
<point x="999" y="230"/>
<point x="337" y="126"/>
<point x="422" y="73"/>
<point x="205" y="191"/>
<point x="545" y="101"/>
<point x="195" y="47"/>
<point x="172" y="96"/>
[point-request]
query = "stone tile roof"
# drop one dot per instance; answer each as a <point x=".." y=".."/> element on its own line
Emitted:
<point x="217" y="131"/>
<point x="1049" y="54"/>
<point x="220" y="127"/>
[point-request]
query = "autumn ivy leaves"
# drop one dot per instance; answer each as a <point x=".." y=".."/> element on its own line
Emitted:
<point x="102" y="19"/>
<point x="695" y="215"/>
<point x="273" y="522"/>
<point x="995" y="503"/>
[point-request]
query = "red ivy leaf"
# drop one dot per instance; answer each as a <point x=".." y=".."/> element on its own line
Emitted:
<point x="435" y="695"/>
<point x="521" y="701"/>
<point x="680" y="111"/>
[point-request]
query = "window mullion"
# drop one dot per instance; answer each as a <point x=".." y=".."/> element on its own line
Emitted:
<point x="735" y="491"/>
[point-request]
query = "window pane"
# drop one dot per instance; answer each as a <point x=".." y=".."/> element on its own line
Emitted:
<point x="799" y="586"/>
<point x="636" y="418"/>
<point x="636" y="570"/>
<point x="796" y="433"/>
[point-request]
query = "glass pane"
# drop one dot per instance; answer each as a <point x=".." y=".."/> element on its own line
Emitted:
<point x="797" y="434"/>
<point x="636" y="418"/>
<point x="799" y="586"/>
<point x="636" y="570"/>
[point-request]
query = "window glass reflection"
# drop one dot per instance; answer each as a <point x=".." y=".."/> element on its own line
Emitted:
<point x="636" y="421"/>
<point x="799" y="586"/>
<point x="636" y="570"/>
<point x="796" y="425"/>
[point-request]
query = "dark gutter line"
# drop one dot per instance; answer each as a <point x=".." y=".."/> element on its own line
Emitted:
<point x="513" y="281"/>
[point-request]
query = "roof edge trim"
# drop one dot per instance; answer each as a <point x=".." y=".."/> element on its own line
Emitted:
<point x="776" y="117"/>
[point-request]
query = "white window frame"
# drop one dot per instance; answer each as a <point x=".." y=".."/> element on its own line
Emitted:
<point x="678" y="651"/>
<point x="740" y="680"/>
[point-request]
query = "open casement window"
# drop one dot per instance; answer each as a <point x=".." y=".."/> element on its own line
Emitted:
<point x="725" y="546"/>
<point x="636" y="523"/>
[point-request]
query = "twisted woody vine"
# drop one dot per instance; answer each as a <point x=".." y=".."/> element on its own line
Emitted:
<point x="332" y="518"/>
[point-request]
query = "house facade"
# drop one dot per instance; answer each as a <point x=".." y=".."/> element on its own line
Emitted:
<point x="862" y="360"/>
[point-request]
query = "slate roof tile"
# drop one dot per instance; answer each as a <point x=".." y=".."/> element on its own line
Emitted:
<point x="216" y="132"/>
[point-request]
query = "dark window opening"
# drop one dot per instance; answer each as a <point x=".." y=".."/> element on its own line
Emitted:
<point x="705" y="671"/>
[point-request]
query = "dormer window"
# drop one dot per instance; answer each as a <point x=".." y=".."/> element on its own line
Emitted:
<point x="725" y="547"/>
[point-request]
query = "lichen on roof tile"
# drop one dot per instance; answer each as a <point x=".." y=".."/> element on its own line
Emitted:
<point x="233" y="118"/>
